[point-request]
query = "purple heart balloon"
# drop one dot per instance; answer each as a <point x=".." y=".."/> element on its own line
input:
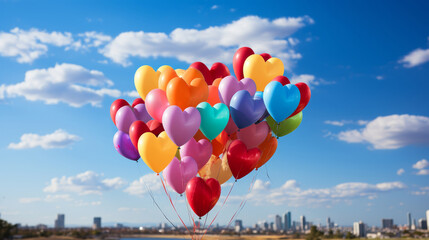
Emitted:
<point x="230" y="85"/>
<point x="245" y="109"/>
<point x="124" y="146"/>
<point x="179" y="172"/>
<point x="141" y="112"/>
<point x="200" y="151"/>
<point x="126" y="115"/>
<point x="254" y="134"/>
<point x="231" y="127"/>
<point x="181" y="126"/>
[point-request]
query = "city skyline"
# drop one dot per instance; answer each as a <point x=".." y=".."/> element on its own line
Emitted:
<point x="360" y="154"/>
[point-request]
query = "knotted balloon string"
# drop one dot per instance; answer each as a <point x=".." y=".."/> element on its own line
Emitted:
<point x="277" y="130"/>
<point x="168" y="195"/>
<point x="226" y="198"/>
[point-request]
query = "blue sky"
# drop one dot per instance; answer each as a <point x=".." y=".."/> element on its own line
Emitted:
<point x="360" y="153"/>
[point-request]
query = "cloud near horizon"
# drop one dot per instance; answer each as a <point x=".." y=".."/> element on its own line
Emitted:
<point x="58" y="139"/>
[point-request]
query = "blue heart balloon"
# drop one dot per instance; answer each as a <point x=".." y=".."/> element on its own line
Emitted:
<point x="245" y="109"/>
<point x="281" y="101"/>
<point x="266" y="114"/>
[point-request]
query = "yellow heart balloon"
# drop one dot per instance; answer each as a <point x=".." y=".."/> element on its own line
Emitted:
<point x="216" y="168"/>
<point x="145" y="79"/>
<point x="156" y="152"/>
<point x="262" y="72"/>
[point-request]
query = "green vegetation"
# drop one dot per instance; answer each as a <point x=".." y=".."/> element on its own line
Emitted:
<point x="7" y="230"/>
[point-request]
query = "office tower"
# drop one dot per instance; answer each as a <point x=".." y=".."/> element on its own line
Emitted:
<point x="387" y="223"/>
<point x="60" y="221"/>
<point x="328" y="223"/>
<point x="238" y="225"/>
<point x="271" y="226"/>
<point x="266" y="226"/>
<point x="359" y="229"/>
<point x="119" y="225"/>
<point x="409" y="221"/>
<point x="278" y="223"/>
<point x="414" y="225"/>
<point x="97" y="223"/>
<point x="423" y="224"/>
<point x="303" y="223"/>
<point x="287" y="221"/>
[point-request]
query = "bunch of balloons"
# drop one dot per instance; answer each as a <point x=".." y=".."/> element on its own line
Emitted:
<point x="206" y="122"/>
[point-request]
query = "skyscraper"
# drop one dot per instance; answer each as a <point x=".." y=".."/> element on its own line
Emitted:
<point x="97" y="223"/>
<point x="238" y="225"/>
<point x="287" y="221"/>
<point x="387" y="223"/>
<point x="359" y="229"/>
<point x="423" y="224"/>
<point x="328" y="223"/>
<point x="60" y="221"/>
<point x="303" y="223"/>
<point x="278" y="223"/>
<point x="409" y="221"/>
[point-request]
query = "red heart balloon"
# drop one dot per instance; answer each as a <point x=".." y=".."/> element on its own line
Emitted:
<point x="137" y="101"/>
<point x="281" y="79"/>
<point x="202" y="195"/>
<point x="116" y="105"/>
<point x="265" y="56"/>
<point x="136" y="130"/>
<point x="155" y="127"/>
<point x="305" y="92"/>
<point x="238" y="61"/>
<point x="218" y="70"/>
<point x="240" y="160"/>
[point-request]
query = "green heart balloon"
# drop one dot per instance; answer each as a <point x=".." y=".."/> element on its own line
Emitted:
<point x="286" y="126"/>
<point x="213" y="119"/>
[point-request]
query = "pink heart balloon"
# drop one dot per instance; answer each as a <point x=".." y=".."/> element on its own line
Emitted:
<point x="254" y="134"/>
<point x="126" y="115"/>
<point x="179" y="172"/>
<point x="230" y="85"/>
<point x="181" y="126"/>
<point x="200" y="151"/>
<point x="156" y="103"/>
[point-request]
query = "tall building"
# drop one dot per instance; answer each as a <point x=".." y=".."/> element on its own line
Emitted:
<point x="303" y="223"/>
<point x="238" y="225"/>
<point x="409" y="221"/>
<point x="359" y="229"/>
<point x="387" y="223"/>
<point x="427" y="218"/>
<point x="423" y="224"/>
<point x="60" y="221"/>
<point x="278" y="223"/>
<point x="287" y="221"/>
<point x="97" y="223"/>
<point x="328" y="223"/>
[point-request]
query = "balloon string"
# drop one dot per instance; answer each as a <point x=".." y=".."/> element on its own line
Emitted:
<point x="166" y="192"/>
<point x="226" y="198"/>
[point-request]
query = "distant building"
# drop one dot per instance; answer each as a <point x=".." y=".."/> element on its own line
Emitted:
<point x="303" y="223"/>
<point x="287" y="221"/>
<point x="271" y="226"/>
<point x="427" y="218"/>
<point x="278" y="223"/>
<point x="97" y="223"/>
<point x="119" y="225"/>
<point x="328" y="223"/>
<point x="266" y="226"/>
<point x="387" y="223"/>
<point x="409" y="221"/>
<point x="238" y="225"/>
<point x="359" y="229"/>
<point x="423" y="224"/>
<point x="60" y="221"/>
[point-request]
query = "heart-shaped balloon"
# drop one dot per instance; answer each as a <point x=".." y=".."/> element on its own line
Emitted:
<point x="179" y="172"/>
<point x="281" y="101"/>
<point x="169" y="74"/>
<point x="213" y="119"/>
<point x="202" y="195"/>
<point x="156" y="152"/>
<point x="200" y="151"/>
<point x="262" y="72"/>
<point x="155" y="127"/>
<point x="231" y="127"/>
<point x="282" y="79"/>
<point x="213" y="95"/>
<point x="305" y="93"/>
<point x="156" y="103"/>
<point x="216" y="168"/>
<point x="238" y="60"/>
<point x="116" y="105"/>
<point x="254" y="134"/>
<point x="245" y="109"/>
<point x="184" y="94"/>
<point x="218" y="70"/>
<point x="141" y="112"/>
<point x="219" y="143"/>
<point x="286" y="126"/>
<point x="145" y="80"/>
<point x="124" y="146"/>
<point x="181" y="125"/>
<point x="137" y="101"/>
<point x="265" y="56"/>
<point x="230" y="85"/>
<point x="127" y="115"/>
<point x="268" y="148"/>
<point x="240" y="160"/>
<point x="136" y="130"/>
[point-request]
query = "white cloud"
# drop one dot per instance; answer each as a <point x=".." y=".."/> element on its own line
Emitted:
<point x="29" y="200"/>
<point x="57" y="139"/>
<point x="133" y="94"/>
<point x="68" y="83"/>
<point x="48" y="198"/>
<point x="400" y="171"/>
<point x="421" y="164"/>
<point x="415" y="58"/>
<point x="85" y="183"/>
<point x="423" y="172"/>
<point x="214" y="7"/>
<point x="337" y="123"/>
<point x="213" y="44"/>
<point x="29" y="45"/>
<point x="309" y="79"/>
<point x="391" y="132"/>
<point x="379" y="77"/>
<point x="290" y="193"/>
<point x="140" y="187"/>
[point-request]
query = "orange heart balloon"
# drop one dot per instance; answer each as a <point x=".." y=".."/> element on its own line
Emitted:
<point x="187" y="94"/>
<point x="219" y="143"/>
<point x="268" y="148"/>
<point x="216" y="168"/>
<point x="213" y="95"/>
<point x="216" y="82"/>
<point x="167" y="75"/>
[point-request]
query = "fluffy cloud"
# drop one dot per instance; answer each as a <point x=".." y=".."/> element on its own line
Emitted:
<point x="290" y="193"/>
<point x="421" y="164"/>
<point x="29" y="45"/>
<point x="85" y="183"/>
<point x="57" y="139"/>
<point x="344" y="122"/>
<point x="212" y="44"/>
<point x="415" y="58"/>
<point x="68" y="83"/>
<point x="391" y="132"/>
<point x="144" y="184"/>
<point x="400" y="171"/>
